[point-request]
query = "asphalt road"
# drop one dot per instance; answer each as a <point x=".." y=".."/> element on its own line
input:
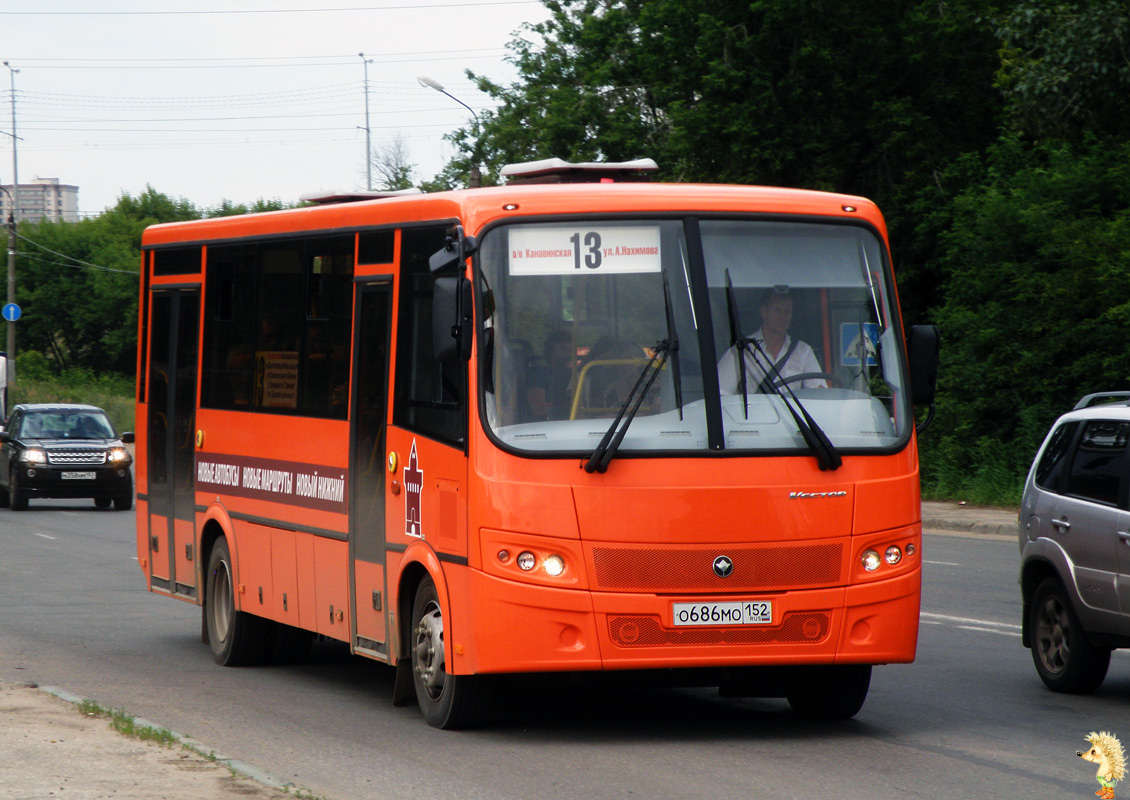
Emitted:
<point x="968" y="719"/>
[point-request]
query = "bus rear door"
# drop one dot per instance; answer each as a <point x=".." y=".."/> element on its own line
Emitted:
<point x="171" y="469"/>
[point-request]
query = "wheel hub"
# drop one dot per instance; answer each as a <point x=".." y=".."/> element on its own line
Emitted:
<point x="430" y="668"/>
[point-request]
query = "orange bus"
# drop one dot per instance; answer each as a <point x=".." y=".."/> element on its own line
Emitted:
<point x="542" y="427"/>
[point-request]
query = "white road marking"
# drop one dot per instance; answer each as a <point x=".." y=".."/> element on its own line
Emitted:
<point x="969" y="624"/>
<point x="45" y="536"/>
<point x="943" y="563"/>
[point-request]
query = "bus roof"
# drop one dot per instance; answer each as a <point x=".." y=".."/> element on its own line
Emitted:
<point x="475" y="208"/>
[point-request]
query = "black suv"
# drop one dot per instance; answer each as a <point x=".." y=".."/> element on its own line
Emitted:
<point x="51" y="450"/>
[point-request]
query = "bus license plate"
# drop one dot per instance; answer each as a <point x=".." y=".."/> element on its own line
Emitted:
<point x="743" y="612"/>
<point x="78" y="476"/>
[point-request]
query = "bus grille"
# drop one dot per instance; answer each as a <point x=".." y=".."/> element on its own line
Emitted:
<point x="755" y="568"/>
<point x="806" y="628"/>
<point x="77" y="457"/>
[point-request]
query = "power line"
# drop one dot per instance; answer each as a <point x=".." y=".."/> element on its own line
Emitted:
<point x="410" y="7"/>
<point x="77" y="261"/>
<point x="38" y="62"/>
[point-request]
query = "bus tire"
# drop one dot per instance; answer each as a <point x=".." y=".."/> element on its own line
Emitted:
<point x="833" y="692"/>
<point x="236" y="638"/>
<point x="447" y="701"/>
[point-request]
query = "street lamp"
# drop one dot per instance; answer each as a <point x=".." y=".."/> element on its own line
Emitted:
<point x="429" y="83"/>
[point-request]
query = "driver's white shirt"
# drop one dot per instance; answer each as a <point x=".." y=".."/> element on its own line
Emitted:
<point x="801" y="360"/>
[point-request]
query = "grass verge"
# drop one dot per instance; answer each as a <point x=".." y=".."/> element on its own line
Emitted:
<point x="126" y="725"/>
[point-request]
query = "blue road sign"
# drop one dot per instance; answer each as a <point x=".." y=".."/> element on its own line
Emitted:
<point x="12" y="312"/>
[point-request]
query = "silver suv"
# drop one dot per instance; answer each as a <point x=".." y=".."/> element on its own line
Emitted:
<point x="1075" y="544"/>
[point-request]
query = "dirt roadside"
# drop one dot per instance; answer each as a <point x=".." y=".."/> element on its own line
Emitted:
<point x="48" y="749"/>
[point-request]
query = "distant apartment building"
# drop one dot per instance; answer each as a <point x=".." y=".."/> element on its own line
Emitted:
<point x="43" y="198"/>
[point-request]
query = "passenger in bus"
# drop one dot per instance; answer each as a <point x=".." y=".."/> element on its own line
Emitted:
<point x="608" y="373"/>
<point x="548" y="395"/>
<point x="789" y="356"/>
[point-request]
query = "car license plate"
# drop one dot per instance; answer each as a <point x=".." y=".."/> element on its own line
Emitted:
<point x="78" y="476"/>
<point x="741" y="612"/>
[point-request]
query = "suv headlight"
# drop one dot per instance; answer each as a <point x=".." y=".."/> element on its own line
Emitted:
<point x="118" y="455"/>
<point x="34" y="455"/>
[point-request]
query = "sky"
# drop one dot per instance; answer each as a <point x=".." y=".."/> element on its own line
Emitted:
<point x="213" y="100"/>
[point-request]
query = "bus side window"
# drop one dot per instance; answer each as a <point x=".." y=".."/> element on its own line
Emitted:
<point x="431" y="397"/>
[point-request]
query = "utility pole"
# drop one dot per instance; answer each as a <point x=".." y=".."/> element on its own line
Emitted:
<point x="368" y="132"/>
<point x="13" y="218"/>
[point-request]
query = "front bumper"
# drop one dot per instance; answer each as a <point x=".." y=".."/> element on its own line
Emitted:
<point x="517" y="627"/>
<point x="55" y="482"/>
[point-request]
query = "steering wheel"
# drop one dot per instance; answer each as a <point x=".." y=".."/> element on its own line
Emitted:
<point x="828" y="377"/>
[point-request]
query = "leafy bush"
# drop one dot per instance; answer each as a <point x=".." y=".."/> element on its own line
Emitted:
<point x="36" y="382"/>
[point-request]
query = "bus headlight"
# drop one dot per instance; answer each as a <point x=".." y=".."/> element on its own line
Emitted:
<point x="554" y="566"/>
<point x="871" y="561"/>
<point x="526" y="561"/>
<point x="893" y="555"/>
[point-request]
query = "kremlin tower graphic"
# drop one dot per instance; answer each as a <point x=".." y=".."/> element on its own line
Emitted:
<point x="413" y="485"/>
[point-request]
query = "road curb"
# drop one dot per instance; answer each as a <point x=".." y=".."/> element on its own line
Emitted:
<point x="237" y="767"/>
<point x="969" y="519"/>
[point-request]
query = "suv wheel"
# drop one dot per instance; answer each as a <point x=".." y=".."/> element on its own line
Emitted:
<point x="1064" y="659"/>
<point x="17" y="497"/>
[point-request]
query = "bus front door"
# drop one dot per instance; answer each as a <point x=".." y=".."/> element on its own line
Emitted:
<point x="171" y="431"/>
<point x="368" y="422"/>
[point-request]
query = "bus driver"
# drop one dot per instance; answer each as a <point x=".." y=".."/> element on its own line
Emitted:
<point x="789" y="356"/>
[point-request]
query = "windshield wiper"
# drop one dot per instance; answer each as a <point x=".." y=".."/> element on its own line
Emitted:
<point x="673" y="347"/>
<point x="610" y="442"/>
<point x="666" y="349"/>
<point x="826" y="456"/>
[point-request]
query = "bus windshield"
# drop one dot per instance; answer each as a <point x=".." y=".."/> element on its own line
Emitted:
<point x="795" y="313"/>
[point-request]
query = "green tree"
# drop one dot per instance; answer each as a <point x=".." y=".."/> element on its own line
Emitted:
<point x="1035" y="312"/>
<point x="229" y="209"/>
<point x="801" y="93"/>
<point x="151" y="207"/>
<point x="78" y="283"/>
<point x="1066" y="68"/>
<point x="1034" y="248"/>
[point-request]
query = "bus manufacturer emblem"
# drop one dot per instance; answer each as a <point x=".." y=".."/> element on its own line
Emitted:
<point x="723" y="566"/>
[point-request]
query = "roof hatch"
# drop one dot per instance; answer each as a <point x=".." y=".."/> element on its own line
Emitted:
<point x="556" y="170"/>
<point x="327" y="196"/>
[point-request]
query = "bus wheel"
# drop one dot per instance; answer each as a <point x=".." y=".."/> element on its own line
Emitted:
<point x="235" y="637"/>
<point x="835" y="692"/>
<point x="447" y="701"/>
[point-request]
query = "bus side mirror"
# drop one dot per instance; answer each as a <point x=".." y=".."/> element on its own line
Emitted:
<point x="452" y="330"/>
<point x="922" y="346"/>
<point x="456" y="250"/>
<point x="922" y="351"/>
